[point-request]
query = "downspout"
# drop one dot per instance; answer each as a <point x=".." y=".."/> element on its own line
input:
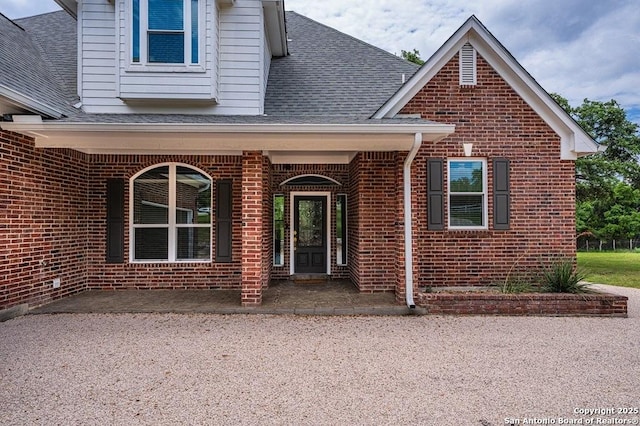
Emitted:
<point x="408" y="225"/>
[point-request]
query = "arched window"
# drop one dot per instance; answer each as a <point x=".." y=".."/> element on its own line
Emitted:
<point x="171" y="214"/>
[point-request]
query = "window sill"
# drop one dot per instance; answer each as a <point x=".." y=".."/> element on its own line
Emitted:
<point x="164" y="68"/>
<point x="169" y="262"/>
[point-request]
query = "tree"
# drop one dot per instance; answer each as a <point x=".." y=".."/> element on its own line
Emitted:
<point x="413" y="56"/>
<point x="607" y="194"/>
<point x="607" y="124"/>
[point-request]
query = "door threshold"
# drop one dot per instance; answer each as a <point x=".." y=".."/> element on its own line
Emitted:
<point x="310" y="278"/>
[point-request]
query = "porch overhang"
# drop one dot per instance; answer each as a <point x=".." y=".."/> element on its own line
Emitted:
<point x="291" y="143"/>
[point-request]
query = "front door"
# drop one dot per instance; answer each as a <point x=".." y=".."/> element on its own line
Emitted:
<point x="310" y="234"/>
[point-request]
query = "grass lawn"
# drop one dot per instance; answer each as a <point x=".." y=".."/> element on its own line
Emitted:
<point x="615" y="268"/>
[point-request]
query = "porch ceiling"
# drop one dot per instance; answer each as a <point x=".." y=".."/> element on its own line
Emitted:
<point x="283" y="143"/>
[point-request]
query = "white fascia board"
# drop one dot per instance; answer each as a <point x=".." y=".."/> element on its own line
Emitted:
<point x="575" y="141"/>
<point x="70" y="6"/>
<point x="205" y="138"/>
<point x="276" y="28"/>
<point x="430" y="131"/>
<point x="430" y="68"/>
<point x="28" y="103"/>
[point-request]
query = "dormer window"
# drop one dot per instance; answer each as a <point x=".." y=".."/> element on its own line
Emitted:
<point x="165" y="32"/>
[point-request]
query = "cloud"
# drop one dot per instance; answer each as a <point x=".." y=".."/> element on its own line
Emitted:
<point x="14" y="9"/>
<point x="572" y="49"/>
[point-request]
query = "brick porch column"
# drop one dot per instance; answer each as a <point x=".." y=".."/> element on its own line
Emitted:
<point x="251" y="294"/>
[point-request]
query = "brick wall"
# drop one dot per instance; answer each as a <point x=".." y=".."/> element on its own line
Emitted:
<point x="524" y="304"/>
<point x="190" y="275"/>
<point x="499" y="124"/>
<point x="43" y="229"/>
<point x="374" y="175"/>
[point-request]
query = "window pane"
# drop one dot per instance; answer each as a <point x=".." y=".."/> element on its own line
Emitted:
<point x="278" y="230"/>
<point x="194" y="243"/>
<point x="194" y="31"/>
<point x="341" y="229"/>
<point x="136" y="32"/>
<point x="193" y="196"/>
<point x="466" y="210"/>
<point x="151" y="243"/>
<point x="166" y="48"/>
<point x="465" y="176"/>
<point x="166" y="15"/>
<point x="151" y="197"/>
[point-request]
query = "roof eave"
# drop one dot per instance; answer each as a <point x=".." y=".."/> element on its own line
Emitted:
<point x="575" y="142"/>
<point x="70" y="6"/>
<point x="209" y="138"/>
<point x="28" y="103"/>
<point x="276" y="27"/>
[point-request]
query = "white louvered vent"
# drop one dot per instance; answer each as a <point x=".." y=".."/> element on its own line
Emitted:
<point x="468" y="66"/>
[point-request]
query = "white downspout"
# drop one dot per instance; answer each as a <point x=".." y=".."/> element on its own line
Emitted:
<point x="408" y="224"/>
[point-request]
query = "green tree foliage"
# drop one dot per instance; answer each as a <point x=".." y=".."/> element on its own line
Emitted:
<point x="607" y="184"/>
<point x="607" y="124"/>
<point x="413" y="56"/>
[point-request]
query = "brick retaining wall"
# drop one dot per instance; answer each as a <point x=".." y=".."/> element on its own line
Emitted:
<point x="599" y="304"/>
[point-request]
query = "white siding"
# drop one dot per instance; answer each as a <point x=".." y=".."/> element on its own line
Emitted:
<point x="266" y="64"/>
<point x="97" y="48"/>
<point x="241" y="32"/>
<point x="233" y="80"/>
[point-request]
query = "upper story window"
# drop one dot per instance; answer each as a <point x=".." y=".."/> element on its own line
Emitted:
<point x="467" y="193"/>
<point x="171" y="214"/>
<point x="165" y="32"/>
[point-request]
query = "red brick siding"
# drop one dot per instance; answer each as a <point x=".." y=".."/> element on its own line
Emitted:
<point x="43" y="228"/>
<point x="252" y="232"/>
<point x="524" y="304"/>
<point x="499" y="124"/>
<point x="191" y="275"/>
<point x="376" y="223"/>
<point x="267" y="222"/>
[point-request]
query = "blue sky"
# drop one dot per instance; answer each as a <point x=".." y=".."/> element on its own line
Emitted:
<point x="576" y="48"/>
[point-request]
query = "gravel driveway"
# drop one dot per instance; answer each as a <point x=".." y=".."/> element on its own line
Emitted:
<point x="171" y="369"/>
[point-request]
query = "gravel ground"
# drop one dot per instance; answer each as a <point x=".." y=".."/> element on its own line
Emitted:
<point x="197" y="369"/>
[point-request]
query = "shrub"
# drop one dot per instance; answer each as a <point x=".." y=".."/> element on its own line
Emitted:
<point x="562" y="277"/>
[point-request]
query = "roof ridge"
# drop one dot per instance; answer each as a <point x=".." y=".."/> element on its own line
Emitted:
<point x="11" y="20"/>
<point x="359" y="41"/>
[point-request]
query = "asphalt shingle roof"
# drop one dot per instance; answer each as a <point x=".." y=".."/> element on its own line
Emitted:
<point x="329" y="77"/>
<point x="331" y="73"/>
<point x="56" y="35"/>
<point x="25" y="68"/>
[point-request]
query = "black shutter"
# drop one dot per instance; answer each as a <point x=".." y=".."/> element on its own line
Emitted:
<point x="115" y="221"/>
<point x="435" y="194"/>
<point x="223" y="220"/>
<point x="501" y="196"/>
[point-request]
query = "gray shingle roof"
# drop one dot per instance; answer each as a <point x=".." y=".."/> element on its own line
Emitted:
<point x="25" y="69"/>
<point x="56" y="35"/>
<point x="331" y="73"/>
<point x="329" y="77"/>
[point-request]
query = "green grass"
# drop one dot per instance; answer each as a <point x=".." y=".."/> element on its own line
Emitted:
<point x="614" y="268"/>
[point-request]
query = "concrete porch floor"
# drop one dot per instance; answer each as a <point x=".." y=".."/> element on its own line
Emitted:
<point x="282" y="297"/>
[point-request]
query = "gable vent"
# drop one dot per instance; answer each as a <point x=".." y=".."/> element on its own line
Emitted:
<point x="468" y="75"/>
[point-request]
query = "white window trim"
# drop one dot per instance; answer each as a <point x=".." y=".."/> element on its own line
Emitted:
<point x="172" y="224"/>
<point x="345" y="243"/>
<point x="484" y="193"/>
<point x="186" y="66"/>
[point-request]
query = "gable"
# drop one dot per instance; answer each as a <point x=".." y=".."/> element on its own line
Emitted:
<point x="575" y="141"/>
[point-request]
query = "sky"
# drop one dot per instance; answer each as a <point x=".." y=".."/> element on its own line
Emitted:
<point x="576" y="48"/>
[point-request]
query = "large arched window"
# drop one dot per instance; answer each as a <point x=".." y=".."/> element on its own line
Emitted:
<point x="171" y="214"/>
